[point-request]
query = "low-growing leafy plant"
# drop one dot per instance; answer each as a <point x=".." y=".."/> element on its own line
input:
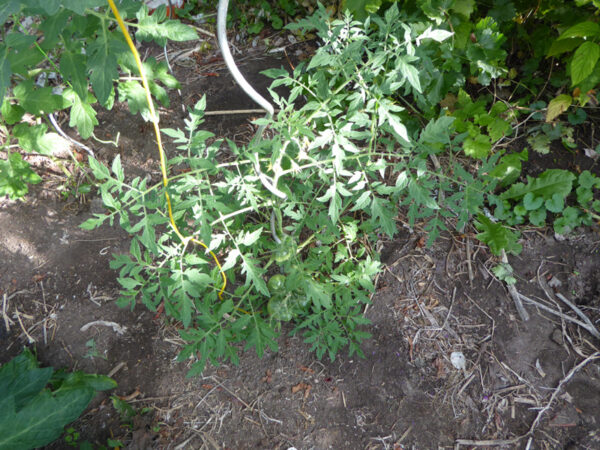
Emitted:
<point x="294" y="217"/>
<point x="53" y="55"/>
<point x="36" y="403"/>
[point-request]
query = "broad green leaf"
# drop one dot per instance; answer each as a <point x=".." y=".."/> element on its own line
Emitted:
<point x="384" y="215"/>
<point x="531" y="202"/>
<point x="8" y="7"/>
<point x="37" y="101"/>
<point x="557" y="106"/>
<point x="11" y="113"/>
<point x="411" y="73"/>
<point x="42" y="420"/>
<point x="15" y="174"/>
<point x="509" y="168"/>
<point x="149" y="29"/>
<point x="549" y="183"/>
<point x="103" y="71"/>
<point x="5" y="71"/>
<point x="22" y="379"/>
<point x="538" y="217"/>
<point x="563" y="46"/>
<point x="583" y="62"/>
<point x="477" y="147"/>
<point x="498" y="128"/>
<point x="254" y="275"/>
<point x="555" y="204"/>
<point x="79" y="6"/>
<point x="83" y="116"/>
<point x="582" y="30"/>
<point x="464" y="7"/>
<point x="250" y="238"/>
<point x="134" y="94"/>
<point x="540" y="143"/>
<point x="363" y="201"/>
<point x="436" y="35"/>
<point x="497" y="237"/>
<point x="50" y="6"/>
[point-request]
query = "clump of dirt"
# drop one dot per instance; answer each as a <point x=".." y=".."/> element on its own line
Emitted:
<point x="431" y="305"/>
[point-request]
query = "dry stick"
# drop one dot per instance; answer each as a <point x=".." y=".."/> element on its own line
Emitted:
<point x="515" y="294"/>
<point x="469" y="266"/>
<point x="558" y="389"/>
<point x="29" y="338"/>
<point x="7" y="320"/>
<point x="553" y="311"/>
<point x="235" y="111"/>
<point x="591" y="328"/>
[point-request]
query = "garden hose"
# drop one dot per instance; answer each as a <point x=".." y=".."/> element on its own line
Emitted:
<point x="252" y="93"/>
<point x="163" y="166"/>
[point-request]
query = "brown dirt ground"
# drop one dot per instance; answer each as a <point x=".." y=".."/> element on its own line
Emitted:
<point x="54" y="279"/>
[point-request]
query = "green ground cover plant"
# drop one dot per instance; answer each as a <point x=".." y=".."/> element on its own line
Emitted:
<point x="406" y="110"/>
<point x="37" y="403"/>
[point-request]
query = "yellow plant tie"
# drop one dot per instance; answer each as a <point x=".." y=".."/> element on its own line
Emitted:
<point x="163" y="166"/>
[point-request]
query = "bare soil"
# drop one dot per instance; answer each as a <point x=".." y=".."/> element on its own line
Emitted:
<point x="406" y="393"/>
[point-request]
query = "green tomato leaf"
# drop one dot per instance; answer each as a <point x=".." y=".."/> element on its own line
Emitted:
<point x="72" y="67"/>
<point x="497" y="236"/>
<point x="83" y="116"/>
<point x="37" y="101"/>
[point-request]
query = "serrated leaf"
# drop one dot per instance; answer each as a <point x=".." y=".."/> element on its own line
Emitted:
<point x="436" y="35"/>
<point x="72" y="68"/>
<point x="37" y="101"/>
<point x="254" y="275"/>
<point x="549" y="183"/>
<point x="14" y="176"/>
<point x="133" y="93"/>
<point x="478" y="147"/>
<point x="384" y="215"/>
<point x="117" y="168"/>
<point x="497" y="237"/>
<point x="540" y="143"/>
<point x="79" y="6"/>
<point x="464" y="7"/>
<point x="411" y="73"/>
<point x="5" y="72"/>
<point x="557" y="106"/>
<point x="583" y="62"/>
<point x="509" y="168"/>
<point x="83" y="116"/>
<point x="102" y="66"/>
<point x="250" y="238"/>
<point x="363" y="201"/>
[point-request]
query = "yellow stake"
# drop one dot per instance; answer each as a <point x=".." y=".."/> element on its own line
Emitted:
<point x="163" y="166"/>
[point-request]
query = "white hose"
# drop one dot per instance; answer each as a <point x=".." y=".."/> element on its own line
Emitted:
<point x="239" y="78"/>
<point x="237" y="75"/>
